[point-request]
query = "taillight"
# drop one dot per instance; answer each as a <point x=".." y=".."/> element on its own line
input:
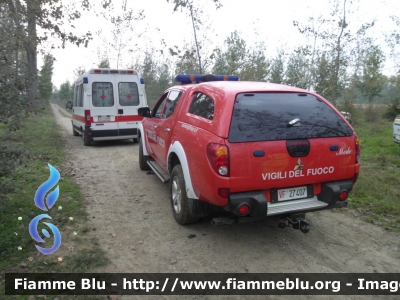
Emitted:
<point x="358" y="149"/>
<point x="343" y="195"/>
<point x="243" y="209"/>
<point x="87" y="117"/>
<point x="218" y="155"/>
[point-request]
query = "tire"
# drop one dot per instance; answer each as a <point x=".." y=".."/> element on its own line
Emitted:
<point x="143" y="158"/>
<point x="74" y="133"/>
<point x="135" y="140"/>
<point x="179" y="199"/>
<point x="86" y="140"/>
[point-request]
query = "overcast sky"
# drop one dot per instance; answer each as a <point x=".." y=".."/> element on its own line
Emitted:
<point x="268" y="21"/>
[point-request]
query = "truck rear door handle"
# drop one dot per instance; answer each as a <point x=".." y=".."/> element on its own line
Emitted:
<point x="167" y="130"/>
<point x="120" y="111"/>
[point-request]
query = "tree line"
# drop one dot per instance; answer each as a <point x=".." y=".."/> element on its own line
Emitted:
<point x="358" y="79"/>
<point x="340" y="60"/>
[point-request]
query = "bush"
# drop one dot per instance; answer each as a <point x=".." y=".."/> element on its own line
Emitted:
<point x="392" y="111"/>
<point x="10" y="158"/>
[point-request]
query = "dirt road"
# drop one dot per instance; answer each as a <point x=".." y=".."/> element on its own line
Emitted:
<point x="132" y="216"/>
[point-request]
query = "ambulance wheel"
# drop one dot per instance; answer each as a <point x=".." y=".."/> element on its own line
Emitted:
<point x="74" y="131"/>
<point x="135" y="140"/>
<point x="86" y="140"/>
<point x="179" y="199"/>
<point x="143" y="158"/>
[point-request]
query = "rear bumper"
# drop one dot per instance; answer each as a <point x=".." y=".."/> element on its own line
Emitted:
<point x="112" y="134"/>
<point x="260" y="208"/>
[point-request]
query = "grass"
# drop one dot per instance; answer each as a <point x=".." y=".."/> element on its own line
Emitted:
<point x="40" y="135"/>
<point x="377" y="192"/>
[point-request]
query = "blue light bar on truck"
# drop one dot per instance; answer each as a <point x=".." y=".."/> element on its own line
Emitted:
<point x="204" y="78"/>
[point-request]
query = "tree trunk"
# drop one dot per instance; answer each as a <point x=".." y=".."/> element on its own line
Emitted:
<point x="338" y="56"/>
<point x="30" y="45"/>
<point x="195" y="40"/>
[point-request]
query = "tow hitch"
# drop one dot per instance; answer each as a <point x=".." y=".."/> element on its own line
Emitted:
<point x="296" y="221"/>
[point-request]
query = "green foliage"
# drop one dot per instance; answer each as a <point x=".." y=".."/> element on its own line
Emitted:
<point x="256" y="67"/>
<point x="41" y="136"/>
<point x="44" y="84"/>
<point x="14" y="80"/>
<point x="11" y="156"/>
<point x="298" y="66"/>
<point x="187" y="63"/>
<point x="277" y="69"/>
<point x="66" y="91"/>
<point x="79" y="72"/>
<point x="338" y="39"/>
<point x="197" y="17"/>
<point x="322" y="75"/>
<point x="371" y="79"/>
<point x="104" y="63"/>
<point x="377" y="191"/>
<point x="164" y="79"/>
<point x="232" y="60"/>
<point x="148" y="70"/>
<point x="391" y="92"/>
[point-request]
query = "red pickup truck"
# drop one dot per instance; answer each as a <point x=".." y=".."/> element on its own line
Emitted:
<point x="254" y="149"/>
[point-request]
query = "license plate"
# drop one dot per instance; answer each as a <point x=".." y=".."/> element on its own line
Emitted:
<point x="104" y="118"/>
<point x="292" y="193"/>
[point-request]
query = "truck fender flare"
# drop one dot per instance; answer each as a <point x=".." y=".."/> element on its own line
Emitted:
<point x="177" y="148"/>
<point x="140" y="128"/>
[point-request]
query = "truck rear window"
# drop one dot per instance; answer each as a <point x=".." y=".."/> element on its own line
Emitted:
<point x="283" y="116"/>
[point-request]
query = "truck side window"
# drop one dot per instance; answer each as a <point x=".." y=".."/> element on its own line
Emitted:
<point x="102" y="94"/>
<point x="128" y="94"/>
<point x="172" y="101"/>
<point x="202" y="106"/>
<point x="157" y="112"/>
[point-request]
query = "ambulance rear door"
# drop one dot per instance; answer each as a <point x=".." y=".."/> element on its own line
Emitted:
<point x="103" y="106"/>
<point x="129" y="98"/>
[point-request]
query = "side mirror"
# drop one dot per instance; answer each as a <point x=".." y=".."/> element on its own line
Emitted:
<point x="144" y="112"/>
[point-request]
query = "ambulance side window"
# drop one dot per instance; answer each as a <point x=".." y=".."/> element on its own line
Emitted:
<point x="76" y="96"/>
<point x="80" y="95"/>
<point x="102" y="94"/>
<point x="128" y="94"/>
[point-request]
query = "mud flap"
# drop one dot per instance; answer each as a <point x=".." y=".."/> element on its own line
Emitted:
<point x="198" y="208"/>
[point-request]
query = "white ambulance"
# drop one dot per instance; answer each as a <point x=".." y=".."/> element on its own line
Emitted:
<point x="105" y="105"/>
<point x="396" y="130"/>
